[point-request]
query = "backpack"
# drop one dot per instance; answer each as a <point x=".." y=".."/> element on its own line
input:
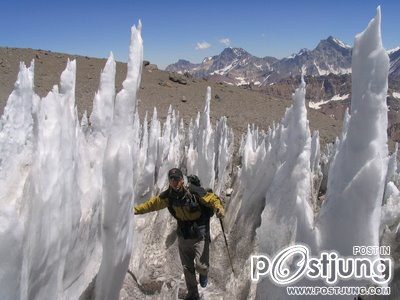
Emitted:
<point x="196" y="189"/>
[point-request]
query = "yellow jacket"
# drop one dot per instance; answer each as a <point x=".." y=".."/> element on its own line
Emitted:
<point x="181" y="212"/>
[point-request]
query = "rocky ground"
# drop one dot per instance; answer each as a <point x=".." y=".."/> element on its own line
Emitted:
<point x="328" y="86"/>
<point x="159" y="89"/>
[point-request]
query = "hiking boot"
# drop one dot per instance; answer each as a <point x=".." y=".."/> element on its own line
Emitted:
<point x="192" y="297"/>
<point x="203" y="280"/>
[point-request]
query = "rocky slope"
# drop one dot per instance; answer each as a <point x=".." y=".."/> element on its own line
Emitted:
<point x="158" y="89"/>
<point x="331" y="56"/>
<point x="331" y="95"/>
<point x="394" y="71"/>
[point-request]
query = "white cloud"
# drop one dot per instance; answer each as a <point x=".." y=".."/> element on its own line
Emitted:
<point x="225" y="41"/>
<point x="202" y="45"/>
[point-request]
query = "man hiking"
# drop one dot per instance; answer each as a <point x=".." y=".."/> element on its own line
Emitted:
<point x="192" y="207"/>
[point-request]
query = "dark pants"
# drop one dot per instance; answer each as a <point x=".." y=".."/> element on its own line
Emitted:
<point x="194" y="254"/>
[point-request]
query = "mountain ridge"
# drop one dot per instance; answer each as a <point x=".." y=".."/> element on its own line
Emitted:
<point x="239" y="67"/>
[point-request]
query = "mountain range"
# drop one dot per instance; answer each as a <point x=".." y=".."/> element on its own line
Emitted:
<point x="237" y="66"/>
<point x="327" y="70"/>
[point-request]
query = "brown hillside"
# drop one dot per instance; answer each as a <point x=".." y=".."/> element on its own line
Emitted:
<point x="241" y="106"/>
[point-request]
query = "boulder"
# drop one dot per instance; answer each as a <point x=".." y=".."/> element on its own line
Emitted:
<point x="188" y="75"/>
<point x="165" y="83"/>
<point x="175" y="77"/>
<point x="151" y="67"/>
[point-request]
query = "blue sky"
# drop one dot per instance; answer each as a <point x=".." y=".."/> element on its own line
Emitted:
<point x="189" y="29"/>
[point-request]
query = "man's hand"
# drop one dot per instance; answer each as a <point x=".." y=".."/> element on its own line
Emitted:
<point x="220" y="213"/>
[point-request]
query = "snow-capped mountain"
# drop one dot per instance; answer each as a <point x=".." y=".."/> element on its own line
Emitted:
<point x="330" y="56"/>
<point x="237" y="66"/>
<point x="394" y="55"/>
<point x="232" y="65"/>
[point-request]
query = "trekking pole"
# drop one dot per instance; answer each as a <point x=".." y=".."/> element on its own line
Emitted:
<point x="226" y="244"/>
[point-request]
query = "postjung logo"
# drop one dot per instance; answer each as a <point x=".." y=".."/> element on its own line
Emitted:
<point x="295" y="262"/>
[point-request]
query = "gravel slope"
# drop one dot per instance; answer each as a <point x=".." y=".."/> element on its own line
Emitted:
<point x="241" y="106"/>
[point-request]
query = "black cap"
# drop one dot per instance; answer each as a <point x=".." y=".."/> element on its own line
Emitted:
<point x="175" y="173"/>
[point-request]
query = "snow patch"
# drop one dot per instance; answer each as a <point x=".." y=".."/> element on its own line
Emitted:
<point x="390" y="51"/>
<point x="341" y="44"/>
<point x="266" y="79"/>
<point x="331" y="69"/>
<point x="241" y="81"/>
<point x="317" y="105"/>
<point x="291" y="56"/>
<point x="226" y="69"/>
<point x="258" y="66"/>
